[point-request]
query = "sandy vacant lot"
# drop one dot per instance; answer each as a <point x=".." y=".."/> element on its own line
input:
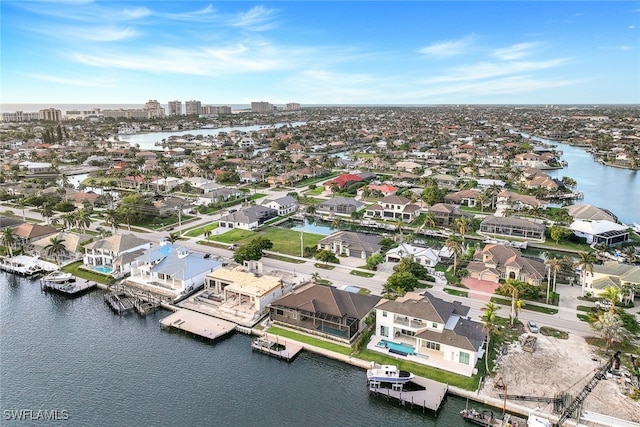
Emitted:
<point x="560" y="366"/>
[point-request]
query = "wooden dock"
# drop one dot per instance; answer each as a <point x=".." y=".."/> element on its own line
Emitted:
<point x="419" y="393"/>
<point x="198" y="324"/>
<point x="278" y="348"/>
<point x="71" y="289"/>
<point x="119" y="302"/>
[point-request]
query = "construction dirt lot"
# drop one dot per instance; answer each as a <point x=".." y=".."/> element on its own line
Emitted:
<point x="558" y="366"/>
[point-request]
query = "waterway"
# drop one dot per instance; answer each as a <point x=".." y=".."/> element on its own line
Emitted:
<point x="615" y="189"/>
<point x="147" y="141"/>
<point x="105" y="370"/>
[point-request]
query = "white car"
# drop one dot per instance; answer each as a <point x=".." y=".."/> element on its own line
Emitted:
<point x="533" y="327"/>
<point x="604" y="304"/>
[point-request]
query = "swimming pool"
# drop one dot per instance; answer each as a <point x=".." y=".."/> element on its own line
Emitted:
<point x="397" y="348"/>
<point x="103" y="269"/>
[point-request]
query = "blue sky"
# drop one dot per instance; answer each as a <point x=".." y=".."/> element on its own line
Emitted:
<point x="321" y="52"/>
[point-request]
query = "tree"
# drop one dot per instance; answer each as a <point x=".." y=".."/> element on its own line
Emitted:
<point x="252" y="251"/>
<point x="432" y="195"/>
<point x="83" y="219"/>
<point x="461" y="225"/>
<point x="374" y="260"/>
<point x="173" y="237"/>
<point x="327" y="256"/>
<point x="612" y="295"/>
<point x="9" y="239"/>
<point x="112" y="218"/>
<point x="315" y="277"/>
<point x="46" y="211"/>
<point x="610" y="327"/>
<point x="585" y="263"/>
<point x="558" y="232"/>
<point x="55" y="247"/>
<point x="489" y="326"/>
<point x="454" y="244"/>
<point x="410" y="265"/>
<point x="512" y="287"/>
<point x="402" y="280"/>
<point x="554" y="266"/>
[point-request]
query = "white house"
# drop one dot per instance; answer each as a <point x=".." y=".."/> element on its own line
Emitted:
<point x="600" y="231"/>
<point x="428" y="330"/>
<point x="172" y="269"/>
<point x="108" y="252"/>
<point x="284" y="205"/>
<point x="428" y="257"/>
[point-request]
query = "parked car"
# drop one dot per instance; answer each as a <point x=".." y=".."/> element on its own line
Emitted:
<point x="604" y="304"/>
<point x="533" y="328"/>
<point x="233" y="246"/>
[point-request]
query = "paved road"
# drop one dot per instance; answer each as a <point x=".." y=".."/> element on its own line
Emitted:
<point x="340" y="275"/>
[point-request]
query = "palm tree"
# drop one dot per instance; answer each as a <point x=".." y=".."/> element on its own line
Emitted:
<point x="46" y="212"/>
<point x="610" y="327"/>
<point x="454" y="244"/>
<point x="430" y="220"/>
<point x="9" y="239"/>
<point x="315" y="277"/>
<point x="461" y="225"/>
<point x="585" y="263"/>
<point x="489" y="327"/>
<point x="112" y="218"/>
<point x="83" y="219"/>
<point x="68" y="220"/>
<point x="512" y="286"/>
<point x="554" y="266"/>
<point x="55" y="247"/>
<point x="173" y="237"/>
<point x="20" y="204"/>
<point x="612" y="295"/>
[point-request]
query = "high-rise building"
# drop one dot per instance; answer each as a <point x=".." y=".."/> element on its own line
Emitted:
<point x="50" y="114"/>
<point x="19" y="116"/>
<point x="261" y="107"/>
<point x="224" y="109"/>
<point x="193" y="108"/>
<point x="293" y="106"/>
<point x="154" y="108"/>
<point x="175" y="108"/>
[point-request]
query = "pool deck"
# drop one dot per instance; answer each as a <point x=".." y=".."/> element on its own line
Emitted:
<point x="430" y="398"/>
<point x="198" y="324"/>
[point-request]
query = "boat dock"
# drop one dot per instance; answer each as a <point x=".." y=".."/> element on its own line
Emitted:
<point x="429" y="394"/>
<point x="198" y="324"/>
<point x="119" y="302"/>
<point x="72" y="289"/>
<point x="276" y="347"/>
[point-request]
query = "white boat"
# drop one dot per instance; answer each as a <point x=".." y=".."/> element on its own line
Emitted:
<point x="388" y="374"/>
<point x="58" y="277"/>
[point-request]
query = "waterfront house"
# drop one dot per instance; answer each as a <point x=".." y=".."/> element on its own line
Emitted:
<point x="351" y="244"/>
<point x="27" y="233"/>
<point x="445" y="214"/>
<point x="383" y="189"/>
<point x="430" y="331"/>
<point x="495" y="262"/>
<point x="240" y="293"/>
<point x="35" y="168"/>
<point x="613" y="274"/>
<point x="325" y="311"/>
<point x="343" y="180"/>
<point x="172" y="269"/>
<point x="448" y="182"/>
<point x="73" y="248"/>
<point x="108" y="252"/>
<point x="589" y="212"/>
<point x="248" y="218"/>
<point x="393" y="208"/>
<point x="341" y="206"/>
<point x="600" y="231"/>
<point x="284" y="205"/>
<point x="512" y="226"/>
<point x="519" y="202"/>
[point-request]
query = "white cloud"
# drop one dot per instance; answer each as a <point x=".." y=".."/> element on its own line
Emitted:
<point x="515" y="51"/>
<point x="81" y="81"/>
<point x="631" y="27"/>
<point x="624" y="47"/>
<point x="448" y="48"/>
<point x="257" y="18"/>
<point x="137" y="13"/>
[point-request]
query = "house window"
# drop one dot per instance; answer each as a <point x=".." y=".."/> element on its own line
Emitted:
<point x="384" y="314"/>
<point x="431" y="345"/>
<point x="279" y="312"/>
<point x="434" y="325"/>
<point x="464" y="358"/>
<point x="294" y="315"/>
<point x="384" y="331"/>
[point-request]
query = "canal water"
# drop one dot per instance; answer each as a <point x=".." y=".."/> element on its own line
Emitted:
<point x="604" y="186"/>
<point x="104" y="370"/>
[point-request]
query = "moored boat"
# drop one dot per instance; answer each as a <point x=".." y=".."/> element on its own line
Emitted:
<point x="487" y="419"/>
<point x="388" y="374"/>
<point x="58" y="277"/>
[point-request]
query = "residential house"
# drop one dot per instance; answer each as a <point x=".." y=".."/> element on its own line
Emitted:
<point x="588" y="212"/>
<point x="111" y="250"/>
<point x="27" y="233"/>
<point x="342" y="206"/>
<point x="519" y="202"/>
<point x="172" y="269"/>
<point x="284" y="205"/>
<point x="448" y="182"/>
<point x="72" y="246"/>
<point x="495" y="262"/>
<point x="219" y="195"/>
<point x="343" y="180"/>
<point x="393" y="208"/>
<point x="600" y="231"/>
<point x="169" y="206"/>
<point x="242" y="293"/>
<point x="34" y="168"/>
<point x="512" y="226"/>
<point x="445" y="214"/>
<point x="434" y="332"/>
<point x="248" y="218"/>
<point x="613" y="274"/>
<point x="464" y="198"/>
<point x="383" y="189"/>
<point x="427" y="257"/>
<point x="325" y="311"/>
<point x="351" y="244"/>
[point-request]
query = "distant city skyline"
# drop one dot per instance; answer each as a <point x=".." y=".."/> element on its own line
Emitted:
<point x="320" y="52"/>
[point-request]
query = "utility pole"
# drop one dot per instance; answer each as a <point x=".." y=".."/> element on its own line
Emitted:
<point x="301" y="244"/>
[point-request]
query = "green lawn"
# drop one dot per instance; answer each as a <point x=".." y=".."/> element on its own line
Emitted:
<point x="338" y="348"/>
<point x="361" y="273"/>
<point x="456" y="292"/>
<point x="527" y="306"/>
<point x="284" y="241"/>
<point x="86" y="274"/>
<point x="315" y="192"/>
<point x="195" y="232"/>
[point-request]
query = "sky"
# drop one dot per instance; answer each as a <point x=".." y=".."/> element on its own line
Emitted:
<point x="320" y="52"/>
